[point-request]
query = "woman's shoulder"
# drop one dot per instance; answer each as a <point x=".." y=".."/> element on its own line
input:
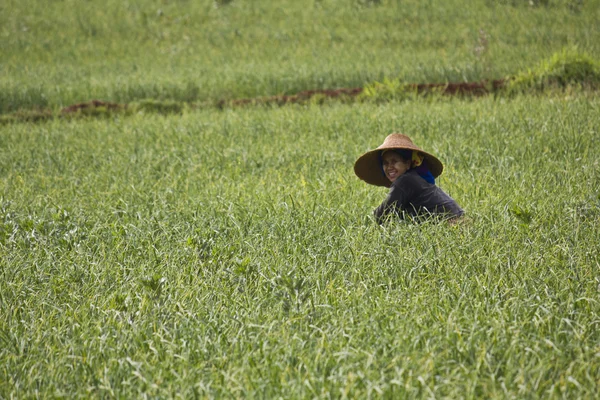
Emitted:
<point x="410" y="177"/>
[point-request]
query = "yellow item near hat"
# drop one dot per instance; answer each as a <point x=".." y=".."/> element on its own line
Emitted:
<point x="417" y="159"/>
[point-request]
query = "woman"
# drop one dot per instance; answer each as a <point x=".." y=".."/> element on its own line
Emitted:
<point x="410" y="174"/>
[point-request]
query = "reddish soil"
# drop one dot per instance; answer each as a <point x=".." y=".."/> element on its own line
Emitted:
<point x="462" y="88"/>
<point x="452" y="88"/>
<point x="90" y="105"/>
<point x="296" y="98"/>
<point x="331" y="92"/>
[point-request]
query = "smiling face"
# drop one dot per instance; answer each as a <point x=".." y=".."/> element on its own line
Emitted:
<point x="394" y="165"/>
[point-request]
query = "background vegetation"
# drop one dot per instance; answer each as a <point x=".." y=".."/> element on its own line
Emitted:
<point x="62" y="52"/>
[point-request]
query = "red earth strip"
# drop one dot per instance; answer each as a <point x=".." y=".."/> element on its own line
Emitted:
<point x="452" y="88"/>
<point x="91" y="105"/>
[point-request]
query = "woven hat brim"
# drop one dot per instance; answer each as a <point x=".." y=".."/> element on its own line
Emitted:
<point x="368" y="166"/>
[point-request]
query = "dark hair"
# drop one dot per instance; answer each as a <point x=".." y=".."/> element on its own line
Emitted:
<point x="405" y="154"/>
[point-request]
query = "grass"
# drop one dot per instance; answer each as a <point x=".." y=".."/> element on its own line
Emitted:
<point x="562" y="70"/>
<point x="563" y="73"/>
<point x="232" y="254"/>
<point x="59" y="53"/>
<point x="172" y="250"/>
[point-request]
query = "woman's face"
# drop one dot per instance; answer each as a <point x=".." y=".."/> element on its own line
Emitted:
<point x="394" y="165"/>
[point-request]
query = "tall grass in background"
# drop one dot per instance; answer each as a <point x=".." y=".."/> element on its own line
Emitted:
<point x="231" y="253"/>
<point x="63" y="52"/>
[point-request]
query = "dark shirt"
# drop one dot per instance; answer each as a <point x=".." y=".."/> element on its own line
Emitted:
<point x="412" y="195"/>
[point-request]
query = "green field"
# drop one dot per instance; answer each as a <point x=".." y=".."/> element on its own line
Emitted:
<point x="60" y="52"/>
<point x="232" y="253"/>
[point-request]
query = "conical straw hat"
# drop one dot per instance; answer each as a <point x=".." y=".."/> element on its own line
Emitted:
<point x="368" y="166"/>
